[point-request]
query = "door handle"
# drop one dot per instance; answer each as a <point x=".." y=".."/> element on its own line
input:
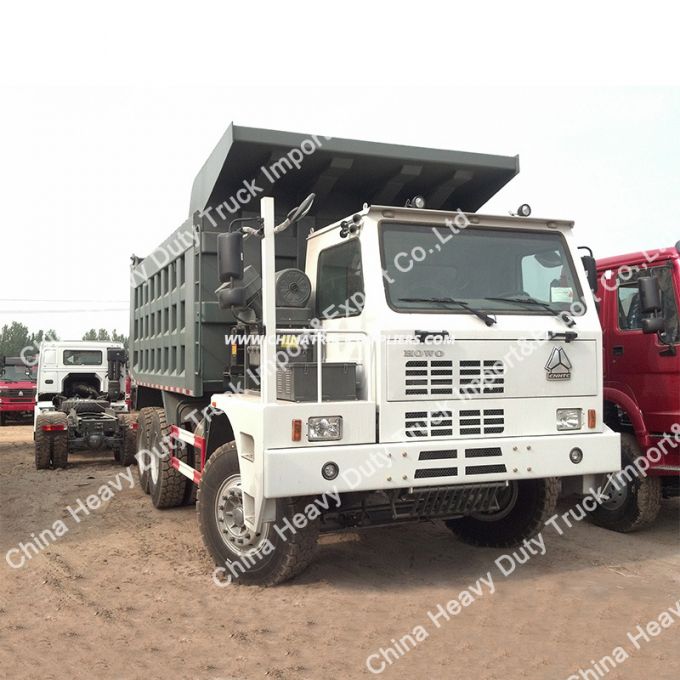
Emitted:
<point x="617" y="351"/>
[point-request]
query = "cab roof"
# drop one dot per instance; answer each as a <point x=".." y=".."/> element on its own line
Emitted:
<point x="648" y="256"/>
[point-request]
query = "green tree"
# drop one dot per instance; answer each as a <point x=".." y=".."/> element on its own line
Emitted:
<point x="13" y="339"/>
<point x="102" y="335"/>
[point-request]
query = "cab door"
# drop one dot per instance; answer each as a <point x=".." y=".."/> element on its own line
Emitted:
<point x="647" y="365"/>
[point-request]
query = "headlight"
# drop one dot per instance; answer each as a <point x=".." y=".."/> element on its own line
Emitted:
<point x="324" y="428"/>
<point x="569" y="419"/>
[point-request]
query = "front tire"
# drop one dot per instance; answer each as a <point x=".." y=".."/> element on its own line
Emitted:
<point x="525" y="506"/>
<point x="263" y="559"/>
<point x="634" y="504"/>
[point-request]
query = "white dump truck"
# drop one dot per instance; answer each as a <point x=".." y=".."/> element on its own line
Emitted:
<point x="81" y="403"/>
<point x="313" y="365"/>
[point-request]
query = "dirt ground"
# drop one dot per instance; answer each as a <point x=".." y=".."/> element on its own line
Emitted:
<point x="127" y="593"/>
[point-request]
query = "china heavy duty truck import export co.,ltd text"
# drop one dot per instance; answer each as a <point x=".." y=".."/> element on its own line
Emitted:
<point x="411" y="363"/>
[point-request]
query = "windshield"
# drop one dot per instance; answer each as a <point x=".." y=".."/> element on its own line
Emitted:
<point x="17" y="373"/>
<point x="532" y="271"/>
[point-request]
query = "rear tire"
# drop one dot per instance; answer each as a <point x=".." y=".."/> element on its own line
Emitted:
<point x="59" y="449"/>
<point x="166" y="485"/>
<point x="127" y="453"/>
<point x="143" y="447"/>
<point x="265" y="559"/>
<point x="51" y="448"/>
<point x="636" y="503"/>
<point x="531" y="502"/>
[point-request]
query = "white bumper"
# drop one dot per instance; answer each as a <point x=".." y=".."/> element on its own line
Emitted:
<point x="367" y="467"/>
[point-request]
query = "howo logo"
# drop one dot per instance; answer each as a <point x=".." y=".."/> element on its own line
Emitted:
<point x="423" y="353"/>
<point x="558" y="366"/>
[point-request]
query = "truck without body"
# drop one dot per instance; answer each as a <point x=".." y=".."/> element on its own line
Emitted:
<point x="411" y="359"/>
<point x="639" y="295"/>
<point x="17" y="389"/>
<point x="81" y="402"/>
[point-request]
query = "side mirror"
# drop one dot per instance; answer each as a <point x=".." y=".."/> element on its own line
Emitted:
<point x="650" y="295"/>
<point x="650" y="305"/>
<point x="653" y="324"/>
<point x="230" y="256"/>
<point x="590" y="266"/>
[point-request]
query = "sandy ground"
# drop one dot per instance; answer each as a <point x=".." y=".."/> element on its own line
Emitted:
<point x="127" y="593"/>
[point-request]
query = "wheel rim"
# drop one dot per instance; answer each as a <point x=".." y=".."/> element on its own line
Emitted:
<point x="507" y="499"/>
<point x="617" y="495"/>
<point x="229" y="516"/>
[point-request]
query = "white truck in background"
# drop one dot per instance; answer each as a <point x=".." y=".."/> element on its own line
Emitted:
<point x="81" y="402"/>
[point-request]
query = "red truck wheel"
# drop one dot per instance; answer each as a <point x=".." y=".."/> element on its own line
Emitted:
<point x="633" y="503"/>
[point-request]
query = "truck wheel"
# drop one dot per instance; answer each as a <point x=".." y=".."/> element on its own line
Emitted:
<point x="166" y="485"/>
<point x="51" y="448"/>
<point x="126" y="455"/>
<point x="60" y="449"/>
<point x="263" y="559"/>
<point x="143" y="443"/>
<point x="525" y="505"/>
<point x="632" y="504"/>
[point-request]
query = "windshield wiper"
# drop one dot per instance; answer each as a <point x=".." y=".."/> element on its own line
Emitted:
<point x="537" y="303"/>
<point x="488" y="320"/>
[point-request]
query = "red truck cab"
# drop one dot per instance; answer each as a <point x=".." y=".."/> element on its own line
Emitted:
<point x="17" y="389"/>
<point x="642" y="377"/>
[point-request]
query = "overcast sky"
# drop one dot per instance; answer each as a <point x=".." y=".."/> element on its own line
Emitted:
<point x="105" y="121"/>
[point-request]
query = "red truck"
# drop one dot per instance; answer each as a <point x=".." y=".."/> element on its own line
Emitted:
<point x="17" y="389"/>
<point x="639" y="297"/>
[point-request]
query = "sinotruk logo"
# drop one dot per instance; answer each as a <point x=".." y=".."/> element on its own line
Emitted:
<point x="558" y="366"/>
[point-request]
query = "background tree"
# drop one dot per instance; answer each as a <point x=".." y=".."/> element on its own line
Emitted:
<point x="102" y="335"/>
<point x="14" y="338"/>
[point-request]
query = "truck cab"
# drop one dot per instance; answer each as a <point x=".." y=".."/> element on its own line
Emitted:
<point x="17" y="389"/>
<point x="642" y="373"/>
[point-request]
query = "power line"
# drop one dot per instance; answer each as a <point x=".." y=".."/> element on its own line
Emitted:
<point x="65" y="300"/>
<point x="61" y="311"/>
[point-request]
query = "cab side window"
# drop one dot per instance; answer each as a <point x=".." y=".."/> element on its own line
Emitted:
<point x="340" y="281"/>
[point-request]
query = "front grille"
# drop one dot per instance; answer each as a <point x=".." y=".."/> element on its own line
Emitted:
<point x="438" y="455"/>
<point x="26" y="395"/>
<point x="422" y="424"/>
<point x="482" y="377"/>
<point x="428" y="377"/>
<point x="425" y="473"/>
<point x="484" y="469"/>
<point x="486" y="421"/>
<point x="428" y="423"/>
<point x="484" y="452"/>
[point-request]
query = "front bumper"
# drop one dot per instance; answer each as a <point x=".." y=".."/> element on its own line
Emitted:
<point x="17" y="406"/>
<point x="371" y="467"/>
